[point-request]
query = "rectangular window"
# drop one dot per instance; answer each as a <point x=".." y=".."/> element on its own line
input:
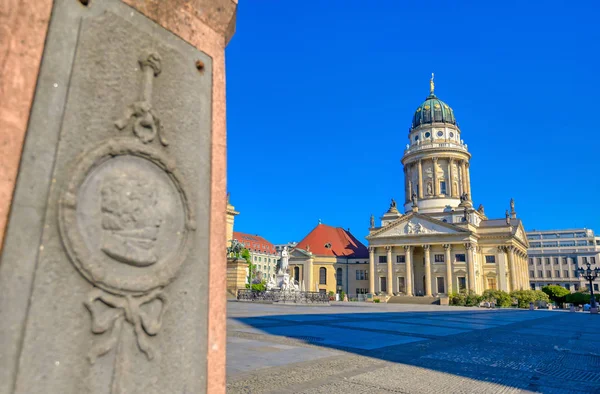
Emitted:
<point x="401" y="285"/>
<point x="539" y="260"/>
<point x="564" y="260"/>
<point x="440" y="284"/>
<point x="558" y="273"/>
<point x="593" y="260"/>
<point x="568" y="286"/>
<point x="532" y="286"/>
<point x="575" y="274"/>
<point x="566" y="272"/>
<point x="400" y="259"/>
<point x="383" y="284"/>
<point x="438" y="258"/>
<point x="531" y="274"/>
<point x="548" y="274"/>
<point x="595" y="286"/>
<point x="460" y="257"/>
<point x="540" y="274"/>
<point x="383" y="259"/>
<point x="556" y="260"/>
<point x="442" y="187"/>
<point x="531" y="261"/>
<point x="462" y="283"/>
<point x="491" y="282"/>
<point x="490" y="259"/>
<point x="360" y="275"/>
<point x="585" y="260"/>
<point x="576" y="286"/>
<point x="547" y="260"/>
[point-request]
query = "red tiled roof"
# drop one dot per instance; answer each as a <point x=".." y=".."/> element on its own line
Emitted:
<point x="341" y="243"/>
<point x="255" y="242"/>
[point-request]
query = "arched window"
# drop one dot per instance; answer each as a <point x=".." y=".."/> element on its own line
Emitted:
<point x="322" y="276"/>
<point x="338" y="276"/>
<point x="297" y="274"/>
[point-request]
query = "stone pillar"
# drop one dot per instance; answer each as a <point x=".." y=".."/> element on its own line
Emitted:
<point x="371" y="270"/>
<point x="236" y="275"/>
<point x="409" y="270"/>
<point x="463" y="172"/>
<point x="470" y="266"/>
<point x="449" y="179"/>
<point x="501" y="267"/>
<point x="436" y="187"/>
<point x="427" y="249"/>
<point x="129" y="99"/>
<point x="512" y="266"/>
<point x="390" y="272"/>
<point x="420" y="169"/>
<point x="449" y="268"/>
<point x="467" y="166"/>
<point x="406" y="187"/>
<point x="451" y="176"/>
<point x="309" y="274"/>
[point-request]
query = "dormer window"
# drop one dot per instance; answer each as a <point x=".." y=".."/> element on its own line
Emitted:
<point x="328" y="245"/>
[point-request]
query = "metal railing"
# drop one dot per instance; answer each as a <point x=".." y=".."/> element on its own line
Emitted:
<point x="418" y="147"/>
<point x="297" y="297"/>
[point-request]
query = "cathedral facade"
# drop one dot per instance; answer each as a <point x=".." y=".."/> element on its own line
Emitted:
<point x="441" y="243"/>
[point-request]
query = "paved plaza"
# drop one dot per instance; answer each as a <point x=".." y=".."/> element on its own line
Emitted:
<point x="371" y="348"/>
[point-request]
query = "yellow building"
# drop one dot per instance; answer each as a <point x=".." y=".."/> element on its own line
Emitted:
<point x="328" y="259"/>
<point x="441" y="243"/>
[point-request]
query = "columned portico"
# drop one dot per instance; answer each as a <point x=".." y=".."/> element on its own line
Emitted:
<point x="427" y="248"/>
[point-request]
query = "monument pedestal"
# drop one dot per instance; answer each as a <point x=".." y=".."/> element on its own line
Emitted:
<point x="237" y="271"/>
<point x="111" y="272"/>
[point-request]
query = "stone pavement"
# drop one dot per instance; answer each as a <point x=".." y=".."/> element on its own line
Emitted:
<point x="393" y="348"/>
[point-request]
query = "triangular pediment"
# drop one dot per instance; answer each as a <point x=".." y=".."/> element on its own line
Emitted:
<point x="519" y="233"/>
<point x="412" y="225"/>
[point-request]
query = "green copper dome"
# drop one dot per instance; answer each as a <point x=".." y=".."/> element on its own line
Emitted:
<point x="433" y="110"/>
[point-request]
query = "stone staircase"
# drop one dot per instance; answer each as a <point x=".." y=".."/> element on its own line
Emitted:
<point x="414" y="300"/>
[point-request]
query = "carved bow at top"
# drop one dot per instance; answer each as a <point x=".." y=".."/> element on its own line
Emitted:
<point x="140" y="312"/>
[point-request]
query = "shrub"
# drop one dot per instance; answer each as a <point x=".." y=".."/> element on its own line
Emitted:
<point x="342" y="294"/>
<point x="556" y="293"/>
<point x="579" y="298"/>
<point x="465" y="298"/>
<point x="259" y="287"/>
<point x="457" y="299"/>
<point x="498" y="297"/>
<point x="376" y="300"/>
<point x="523" y="297"/>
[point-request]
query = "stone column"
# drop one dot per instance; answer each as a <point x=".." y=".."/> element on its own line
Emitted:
<point x="451" y="176"/>
<point x="463" y="172"/>
<point x="409" y="270"/>
<point x="449" y="269"/>
<point x="371" y="270"/>
<point x="129" y="98"/>
<point x="310" y="285"/>
<point x="420" y="169"/>
<point x="470" y="266"/>
<point x="436" y="187"/>
<point x="467" y="165"/>
<point x="501" y="268"/>
<point x="449" y="179"/>
<point x="427" y="270"/>
<point x="406" y="188"/>
<point x="512" y="266"/>
<point x="390" y="272"/>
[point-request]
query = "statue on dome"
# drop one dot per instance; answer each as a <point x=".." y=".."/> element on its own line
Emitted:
<point x="431" y="85"/>
<point x="393" y="204"/>
<point x="481" y="209"/>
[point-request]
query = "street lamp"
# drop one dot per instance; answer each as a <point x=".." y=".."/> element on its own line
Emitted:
<point x="590" y="274"/>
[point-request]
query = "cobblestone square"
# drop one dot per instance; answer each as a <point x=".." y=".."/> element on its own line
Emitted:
<point x="370" y="348"/>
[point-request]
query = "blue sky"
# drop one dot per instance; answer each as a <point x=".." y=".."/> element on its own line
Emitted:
<point x="320" y="95"/>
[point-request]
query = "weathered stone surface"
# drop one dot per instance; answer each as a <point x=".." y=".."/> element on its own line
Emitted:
<point x="110" y="225"/>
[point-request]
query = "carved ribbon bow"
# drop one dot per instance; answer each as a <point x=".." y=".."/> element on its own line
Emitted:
<point x="140" y="312"/>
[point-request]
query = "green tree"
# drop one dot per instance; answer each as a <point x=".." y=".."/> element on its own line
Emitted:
<point x="556" y="293"/>
<point x="524" y="297"/>
<point x="579" y="298"/>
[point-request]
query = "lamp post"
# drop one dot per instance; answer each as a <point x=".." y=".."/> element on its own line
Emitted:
<point x="590" y="274"/>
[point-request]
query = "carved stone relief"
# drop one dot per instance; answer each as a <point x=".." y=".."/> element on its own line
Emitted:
<point x="125" y="220"/>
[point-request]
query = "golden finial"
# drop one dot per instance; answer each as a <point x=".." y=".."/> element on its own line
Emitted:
<point x="431" y="85"/>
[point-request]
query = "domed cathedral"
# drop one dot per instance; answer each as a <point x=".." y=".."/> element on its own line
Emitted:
<point x="441" y="244"/>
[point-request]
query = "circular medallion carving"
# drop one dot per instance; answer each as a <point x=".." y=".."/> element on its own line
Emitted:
<point x="125" y="218"/>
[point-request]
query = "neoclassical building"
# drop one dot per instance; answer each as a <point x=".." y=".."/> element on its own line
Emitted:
<point x="441" y="244"/>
